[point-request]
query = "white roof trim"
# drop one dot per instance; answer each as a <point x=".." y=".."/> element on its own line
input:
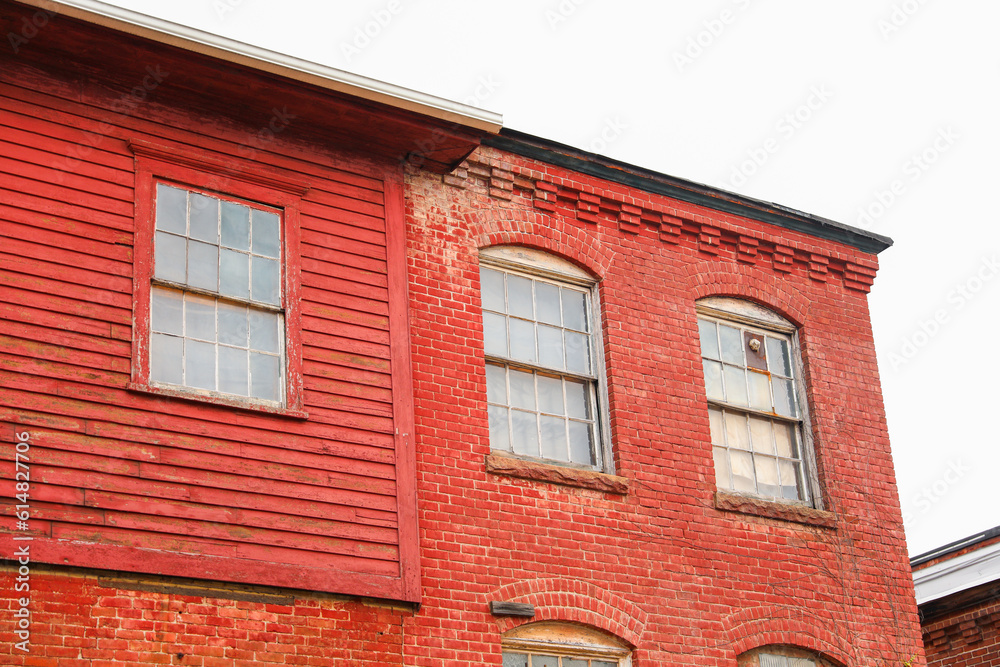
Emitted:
<point x="230" y="50"/>
<point x="954" y="575"/>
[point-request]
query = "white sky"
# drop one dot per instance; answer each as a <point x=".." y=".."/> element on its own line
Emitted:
<point x="837" y="102"/>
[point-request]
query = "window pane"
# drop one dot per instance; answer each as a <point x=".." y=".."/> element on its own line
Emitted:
<point x="499" y="431"/>
<point x="581" y="443"/>
<point x="233" y="375"/>
<point x="522" y="340"/>
<point x="495" y="334"/>
<point x="199" y="317"/>
<point x="491" y="284"/>
<point x="709" y="339"/>
<point x="519" y="299"/>
<point x="717" y="428"/>
<point x="602" y="663"/>
<point x="789" y="480"/>
<point x="235" y="226"/>
<point x="777" y="352"/>
<point x="235" y="274"/>
<point x="553" y="444"/>
<point x="713" y="380"/>
<point x="577" y="399"/>
<point x="550" y="395"/>
<point x="515" y="659"/>
<point x="767" y="475"/>
<point x="171" y="209"/>
<point x="233" y="324"/>
<point x="524" y="432"/>
<point x="760" y="435"/>
<point x="742" y="467"/>
<point x="756" y="359"/>
<point x="785" y="440"/>
<point x="166" y="359"/>
<point x="550" y="347"/>
<point x="736" y="430"/>
<point x="203" y="265"/>
<point x="199" y="364"/>
<point x="773" y="661"/>
<point x="736" y="387"/>
<point x="522" y="390"/>
<point x="264" y="334"/>
<point x="721" y="459"/>
<point x="204" y="218"/>
<point x="573" y="662"/>
<point x="170" y="257"/>
<point x="578" y="353"/>
<point x="732" y="345"/>
<point x="574" y="310"/>
<point x="547" y="301"/>
<point x="784" y="397"/>
<point x="544" y="661"/>
<point x="166" y="311"/>
<point x="265" y="281"/>
<point x="264" y="377"/>
<point x="264" y="235"/>
<point x="496" y="384"/>
<point x="760" y="390"/>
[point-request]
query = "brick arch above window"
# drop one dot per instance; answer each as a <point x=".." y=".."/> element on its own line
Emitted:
<point x="758" y="627"/>
<point x="543" y="232"/>
<point x="573" y="601"/>
<point x="739" y="281"/>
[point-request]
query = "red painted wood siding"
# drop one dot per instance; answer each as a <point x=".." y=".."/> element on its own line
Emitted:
<point x="140" y="482"/>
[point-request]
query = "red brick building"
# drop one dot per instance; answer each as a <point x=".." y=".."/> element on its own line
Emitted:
<point x="958" y="593"/>
<point x="302" y="368"/>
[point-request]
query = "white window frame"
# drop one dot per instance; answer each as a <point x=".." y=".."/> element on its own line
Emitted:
<point x="536" y="264"/>
<point x="748" y="315"/>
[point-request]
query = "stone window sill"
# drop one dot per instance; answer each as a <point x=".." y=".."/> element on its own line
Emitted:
<point x="502" y="464"/>
<point x="735" y="502"/>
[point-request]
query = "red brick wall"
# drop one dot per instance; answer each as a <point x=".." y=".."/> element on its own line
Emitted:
<point x="968" y="638"/>
<point x="660" y="566"/>
<point x="80" y="621"/>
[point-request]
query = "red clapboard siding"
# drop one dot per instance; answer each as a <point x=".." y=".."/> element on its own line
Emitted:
<point x="284" y="500"/>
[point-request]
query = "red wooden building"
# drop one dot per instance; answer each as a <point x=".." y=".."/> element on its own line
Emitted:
<point x="303" y="368"/>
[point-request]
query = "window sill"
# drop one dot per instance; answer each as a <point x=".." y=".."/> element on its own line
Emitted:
<point x="504" y="464"/>
<point x="214" y="399"/>
<point x="735" y="502"/>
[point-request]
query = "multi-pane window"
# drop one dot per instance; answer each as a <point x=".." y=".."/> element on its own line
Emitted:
<point x="754" y="408"/>
<point x="542" y="372"/>
<point x="768" y="660"/>
<point x="216" y="317"/>
<point x="517" y="659"/>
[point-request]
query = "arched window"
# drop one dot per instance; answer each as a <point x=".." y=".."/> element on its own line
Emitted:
<point x="544" y="359"/>
<point x="782" y="656"/>
<point x="756" y="401"/>
<point x="554" y="644"/>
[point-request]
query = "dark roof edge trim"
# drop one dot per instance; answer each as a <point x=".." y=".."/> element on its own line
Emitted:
<point x="591" y="164"/>
<point x="957" y="545"/>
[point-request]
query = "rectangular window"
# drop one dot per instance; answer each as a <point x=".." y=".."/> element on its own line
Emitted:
<point x="542" y="370"/>
<point x="216" y="315"/>
<point x="755" y="412"/>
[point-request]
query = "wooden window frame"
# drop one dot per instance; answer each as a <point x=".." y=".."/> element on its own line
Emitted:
<point x="566" y="640"/>
<point x="539" y="264"/>
<point x="740" y="312"/>
<point x="154" y="165"/>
